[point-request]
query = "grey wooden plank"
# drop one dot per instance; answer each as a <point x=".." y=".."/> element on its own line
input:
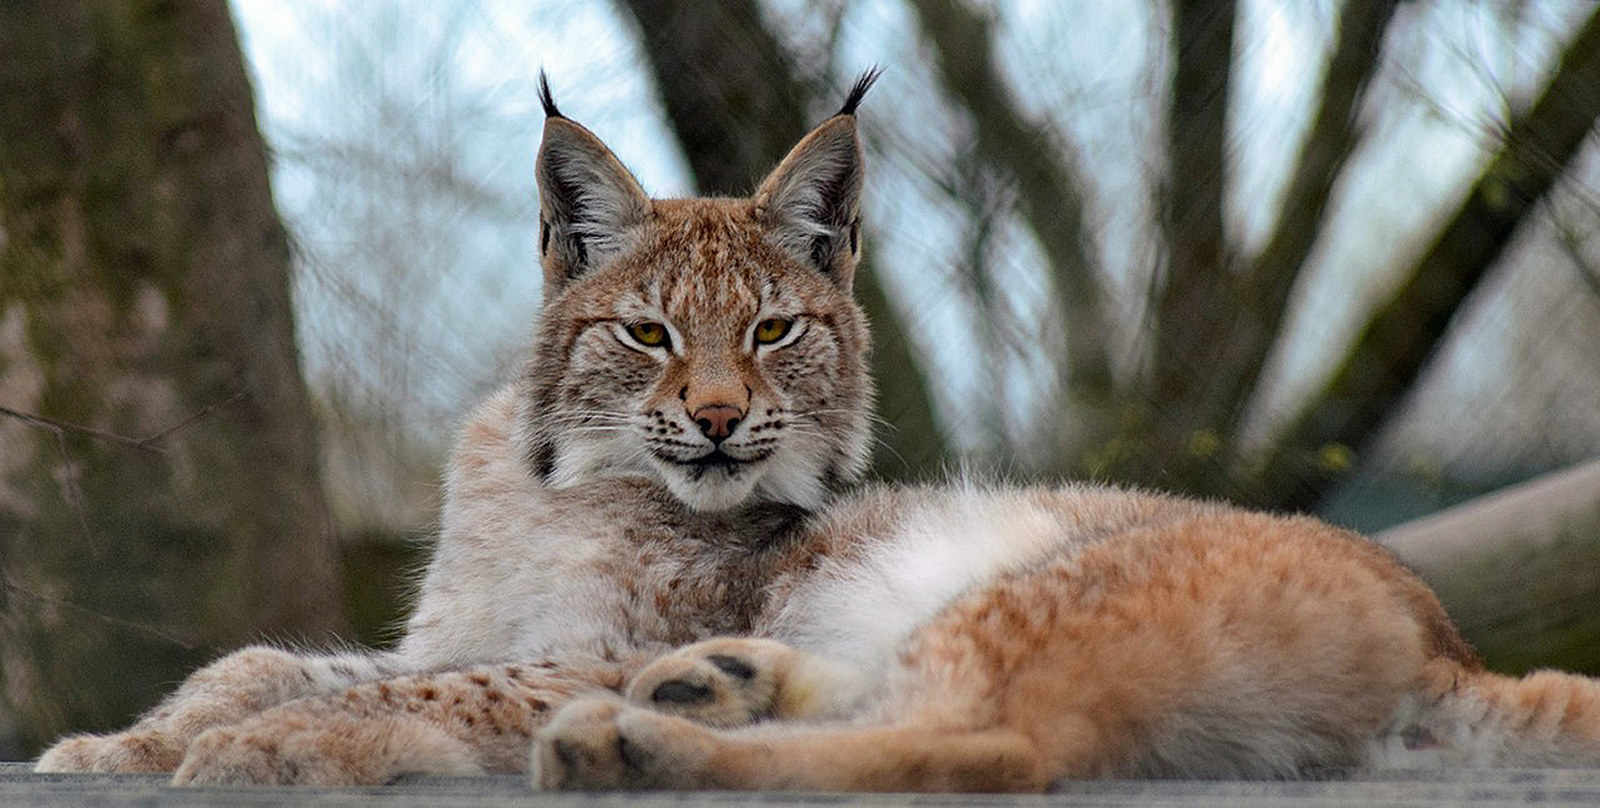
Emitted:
<point x="1481" y="788"/>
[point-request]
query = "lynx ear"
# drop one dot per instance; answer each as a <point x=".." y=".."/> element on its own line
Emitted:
<point x="589" y="205"/>
<point x="811" y="203"/>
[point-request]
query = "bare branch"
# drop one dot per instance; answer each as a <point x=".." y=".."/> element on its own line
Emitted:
<point x="1332" y="137"/>
<point x="1401" y="336"/>
<point x="147" y="630"/>
<point x="197" y="415"/>
<point x="59" y="427"/>
<point x="145" y="444"/>
<point x="1048" y="185"/>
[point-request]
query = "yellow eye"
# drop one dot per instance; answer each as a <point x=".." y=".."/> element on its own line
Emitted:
<point x="650" y="335"/>
<point x="770" y="331"/>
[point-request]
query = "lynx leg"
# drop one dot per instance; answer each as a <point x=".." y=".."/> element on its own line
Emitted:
<point x="327" y="750"/>
<point x="475" y="720"/>
<point x="604" y="744"/>
<point x="731" y="682"/>
<point x="224" y="692"/>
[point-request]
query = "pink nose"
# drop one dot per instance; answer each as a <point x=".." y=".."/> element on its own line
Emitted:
<point x="718" y="421"/>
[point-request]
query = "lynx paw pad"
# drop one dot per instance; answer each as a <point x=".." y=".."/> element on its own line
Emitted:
<point x="721" y="683"/>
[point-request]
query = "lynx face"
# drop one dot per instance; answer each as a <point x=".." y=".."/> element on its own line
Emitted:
<point x="709" y="343"/>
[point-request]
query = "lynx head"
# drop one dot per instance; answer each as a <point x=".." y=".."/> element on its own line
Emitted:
<point x="712" y="344"/>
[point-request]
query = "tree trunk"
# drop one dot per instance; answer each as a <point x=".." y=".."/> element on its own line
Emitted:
<point x="144" y="292"/>
<point x="1190" y="309"/>
<point x="733" y="98"/>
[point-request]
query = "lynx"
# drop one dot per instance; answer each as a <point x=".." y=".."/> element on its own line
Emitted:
<point x="654" y="571"/>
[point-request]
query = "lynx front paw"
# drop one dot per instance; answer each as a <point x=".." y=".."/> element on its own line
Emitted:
<point x="732" y="682"/>
<point x="605" y="745"/>
<point x="722" y="683"/>
<point x="132" y="752"/>
<point x="228" y="757"/>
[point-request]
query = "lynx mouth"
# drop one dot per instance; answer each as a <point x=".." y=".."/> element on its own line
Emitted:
<point x="719" y="479"/>
<point x="718" y="460"/>
<point x="714" y="459"/>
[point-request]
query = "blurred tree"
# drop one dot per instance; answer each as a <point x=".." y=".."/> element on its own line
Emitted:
<point x="1215" y="312"/>
<point x="1049" y="199"/>
<point x="1395" y="344"/>
<point x="1176" y="405"/>
<point x="144" y="292"/>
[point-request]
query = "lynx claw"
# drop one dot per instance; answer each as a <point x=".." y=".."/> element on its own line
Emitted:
<point x="132" y="752"/>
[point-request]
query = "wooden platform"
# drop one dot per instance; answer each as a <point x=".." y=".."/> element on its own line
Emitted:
<point x="1475" y="787"/>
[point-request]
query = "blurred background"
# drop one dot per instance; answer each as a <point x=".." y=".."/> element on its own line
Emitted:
<point x="258" y="260"/>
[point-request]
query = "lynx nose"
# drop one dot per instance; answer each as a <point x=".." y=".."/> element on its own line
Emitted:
<point x="717" y="421"/>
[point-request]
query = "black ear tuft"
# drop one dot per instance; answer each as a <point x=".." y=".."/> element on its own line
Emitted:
<point x="546" y="98"/>
<point x="860" y="89"/>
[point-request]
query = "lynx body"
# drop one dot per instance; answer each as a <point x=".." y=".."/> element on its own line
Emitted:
<point x="653" y="572"/>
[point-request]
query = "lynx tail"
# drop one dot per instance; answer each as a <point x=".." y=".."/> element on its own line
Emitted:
<point x="1546" y="718"/>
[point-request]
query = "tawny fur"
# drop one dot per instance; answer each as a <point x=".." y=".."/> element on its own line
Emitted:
<point x="601" y="537"/>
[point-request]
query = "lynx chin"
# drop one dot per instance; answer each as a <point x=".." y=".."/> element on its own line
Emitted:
<point x="656" y="570"/>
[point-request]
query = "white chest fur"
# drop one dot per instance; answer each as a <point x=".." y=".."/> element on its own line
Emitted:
<point x="859" y="610"/>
